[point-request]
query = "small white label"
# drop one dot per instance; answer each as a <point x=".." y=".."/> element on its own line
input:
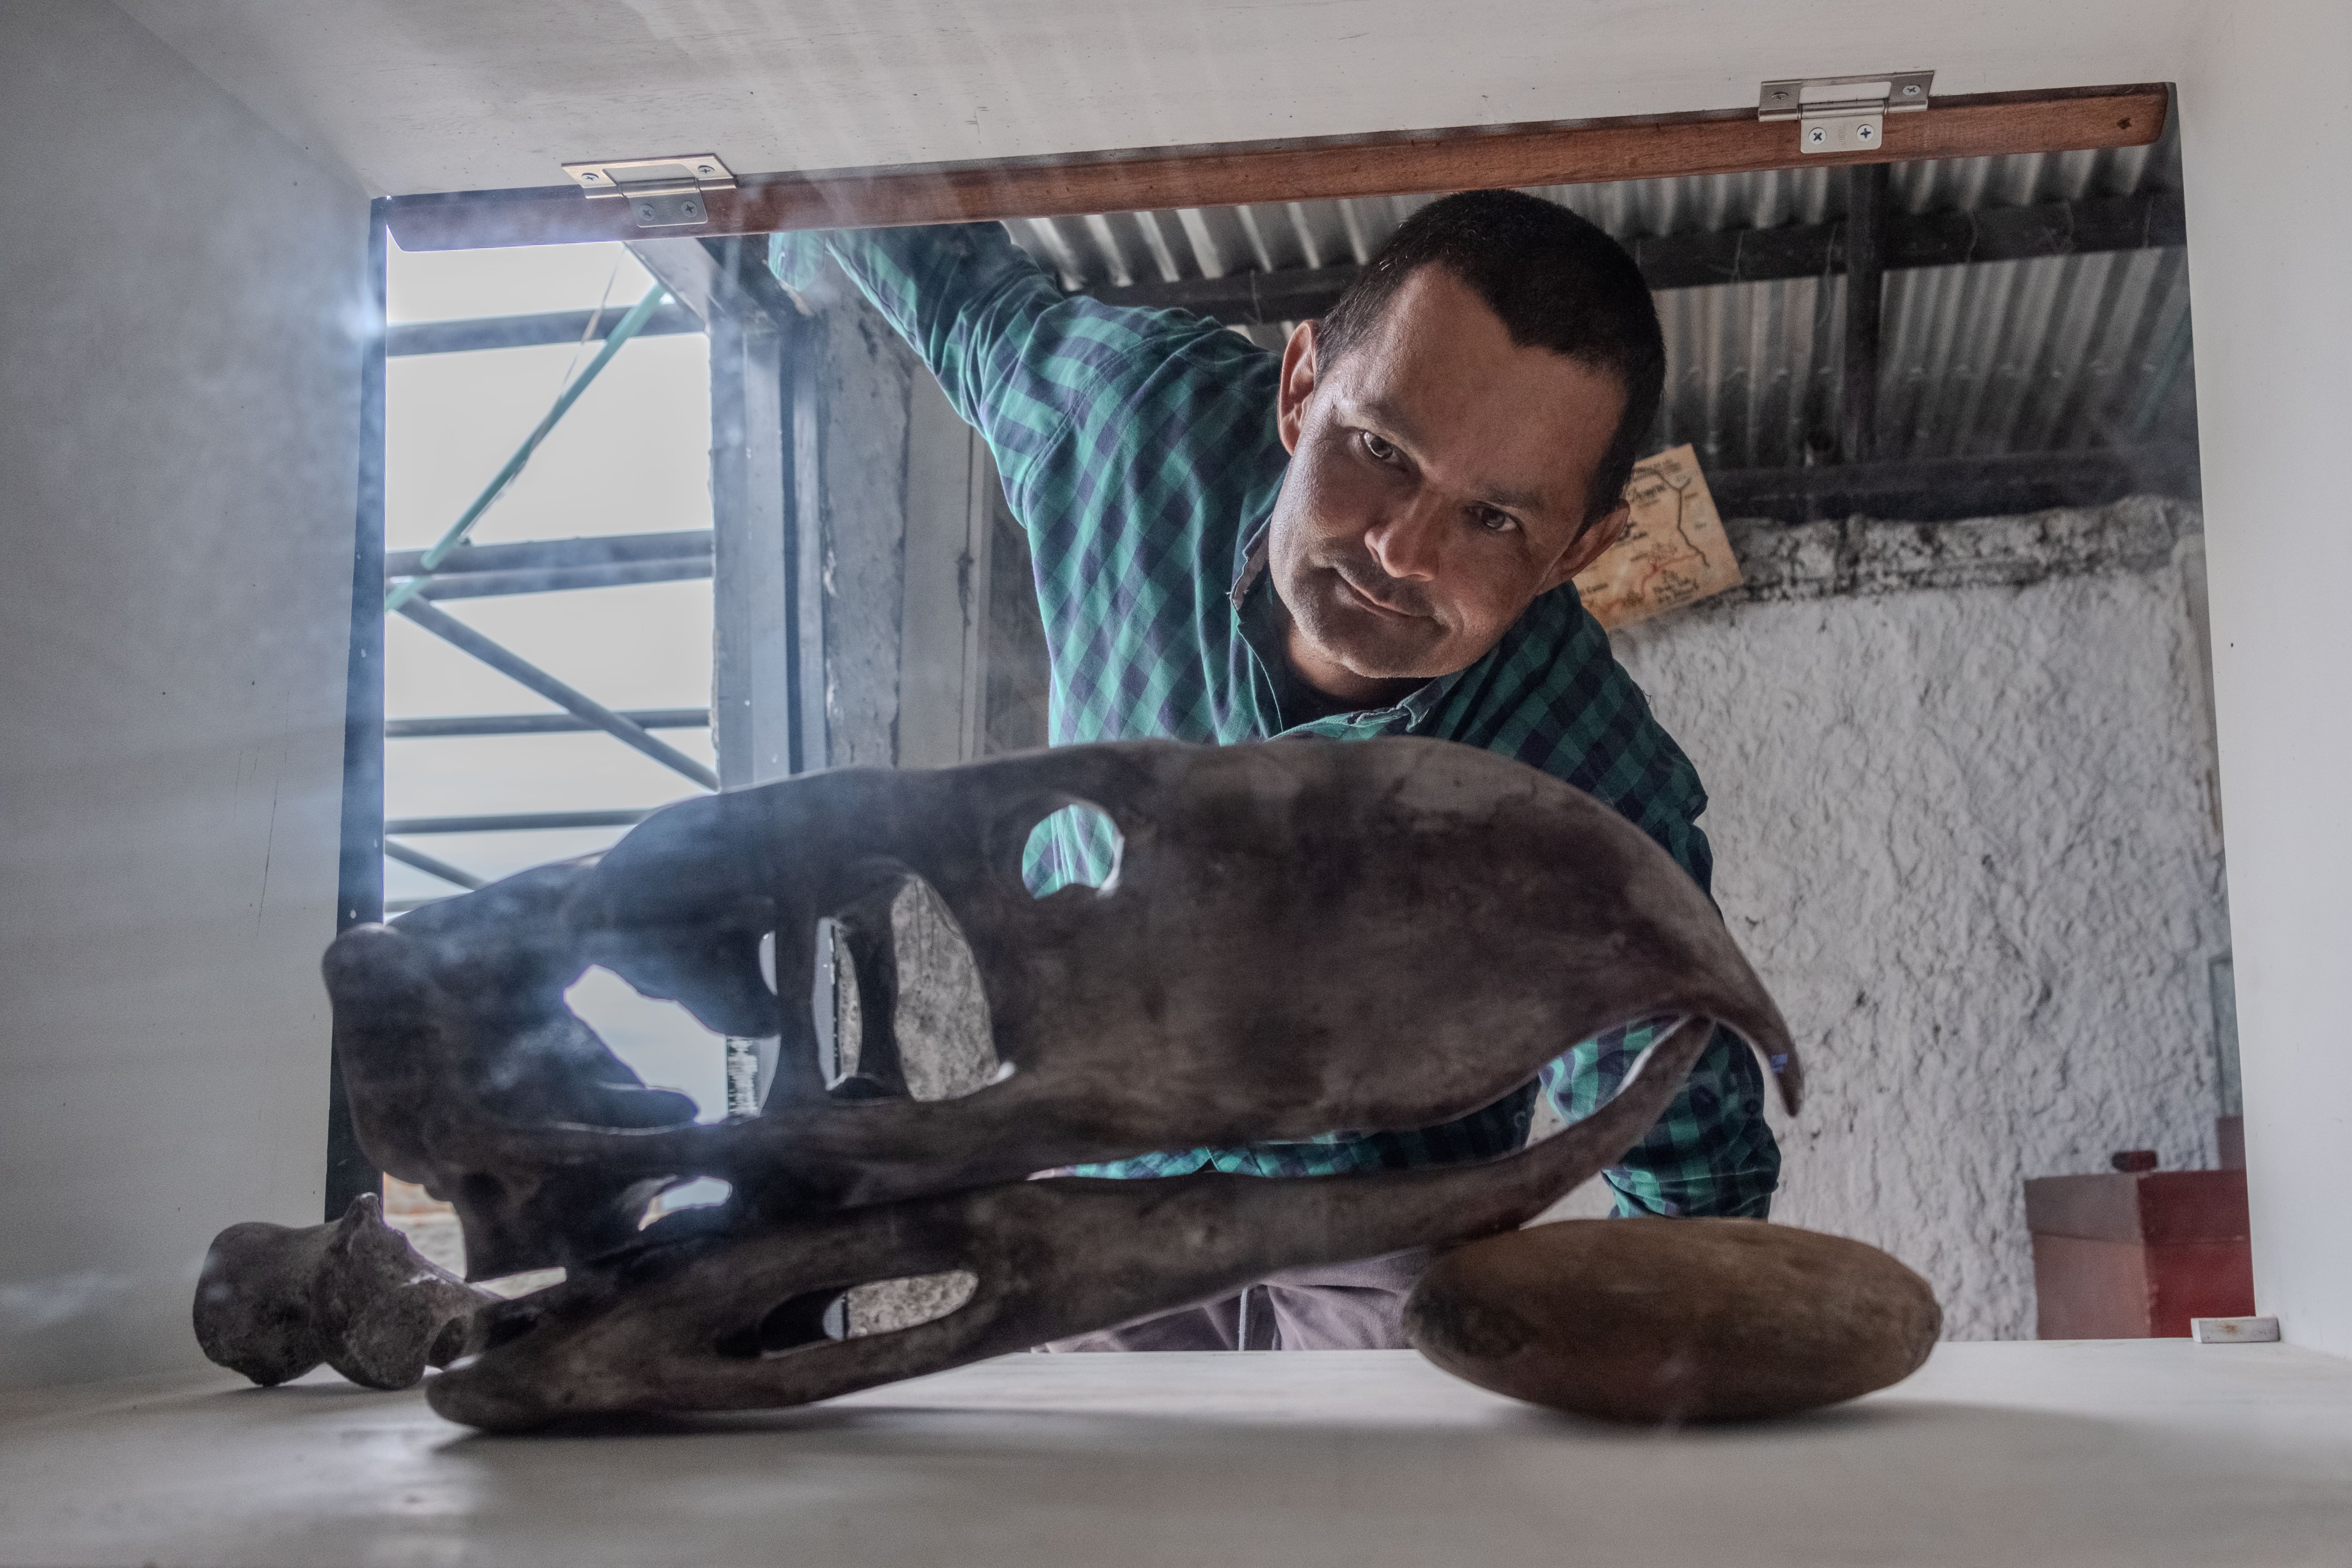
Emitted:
<point x="2235" y="1331"/>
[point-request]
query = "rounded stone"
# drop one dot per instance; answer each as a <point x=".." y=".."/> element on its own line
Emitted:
<point x="1668" y="1321"/>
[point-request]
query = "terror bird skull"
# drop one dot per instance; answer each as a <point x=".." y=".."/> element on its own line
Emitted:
<point x="1300" y="937"/>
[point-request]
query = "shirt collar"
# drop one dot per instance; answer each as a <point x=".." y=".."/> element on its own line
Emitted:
<point x="1249" y="560"/>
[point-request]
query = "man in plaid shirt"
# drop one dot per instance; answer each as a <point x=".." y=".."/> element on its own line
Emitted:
<point x="1372" y="533"/>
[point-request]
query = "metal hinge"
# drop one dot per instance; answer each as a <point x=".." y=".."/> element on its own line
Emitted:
<point x="662" y="193"/>
<point x="1844" y="114"/>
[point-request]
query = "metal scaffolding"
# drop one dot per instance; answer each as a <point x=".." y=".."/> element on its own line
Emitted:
<point x="746" y="323"/>
<point x="754" y="550"/>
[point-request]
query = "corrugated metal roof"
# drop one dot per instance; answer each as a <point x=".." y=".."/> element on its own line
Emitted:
<point x="2049" y="354"/>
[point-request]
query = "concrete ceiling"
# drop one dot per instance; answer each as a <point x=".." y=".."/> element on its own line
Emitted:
<point x="407" y="95"/>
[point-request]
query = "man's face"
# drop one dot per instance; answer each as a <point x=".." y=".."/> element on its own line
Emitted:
<point x="1437" y="485"/>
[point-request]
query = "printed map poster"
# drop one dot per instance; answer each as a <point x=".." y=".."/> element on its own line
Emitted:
<point x="1673" y="552"/>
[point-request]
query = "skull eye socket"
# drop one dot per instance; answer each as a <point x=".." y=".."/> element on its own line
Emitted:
<point x="1078" y="846"/>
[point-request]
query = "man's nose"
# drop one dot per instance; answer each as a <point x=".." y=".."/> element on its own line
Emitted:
<point x="1406" y="542"/>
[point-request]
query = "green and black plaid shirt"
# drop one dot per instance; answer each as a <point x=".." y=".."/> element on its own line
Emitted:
<point x="1138" y="450"/>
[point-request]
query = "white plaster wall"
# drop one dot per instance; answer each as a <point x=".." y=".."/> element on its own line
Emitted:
<point x="434" y="95"/>
<point x="179" y="374"/>
<point x="1966" y="833"/>
<point x="2267" y="139"/>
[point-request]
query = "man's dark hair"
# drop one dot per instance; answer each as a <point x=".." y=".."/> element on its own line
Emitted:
<point x="1557" y="282"/>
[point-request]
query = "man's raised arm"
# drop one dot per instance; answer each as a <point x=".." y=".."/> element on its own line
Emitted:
<point x="1020" y="361"/>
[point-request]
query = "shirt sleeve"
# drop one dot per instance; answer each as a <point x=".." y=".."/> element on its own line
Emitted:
<point x="1024" y="364"/>
<point x="1711" y="1154"/>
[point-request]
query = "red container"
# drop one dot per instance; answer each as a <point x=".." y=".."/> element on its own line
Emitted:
<point x="2135" y="1257"/>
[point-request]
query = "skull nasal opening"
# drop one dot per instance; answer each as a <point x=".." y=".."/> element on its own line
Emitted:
<point x="897" y="1001"/>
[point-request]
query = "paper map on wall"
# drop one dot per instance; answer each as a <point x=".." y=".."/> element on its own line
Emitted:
<point x="1673" y="552"/>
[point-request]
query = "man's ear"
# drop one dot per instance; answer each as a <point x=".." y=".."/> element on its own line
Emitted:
<point x="1297" y="385"/>
<point x="1594" y="542"/>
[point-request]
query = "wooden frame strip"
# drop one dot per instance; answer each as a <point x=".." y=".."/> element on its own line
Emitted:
<point x="1563" y="152"/>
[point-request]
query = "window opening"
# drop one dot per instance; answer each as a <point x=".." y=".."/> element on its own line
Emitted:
<point x="550" y="541"/>
<point x="1879" y="372"/>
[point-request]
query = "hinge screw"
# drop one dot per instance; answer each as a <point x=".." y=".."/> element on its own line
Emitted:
<point x="645" y="212"/>
<point x="705" y="168"/>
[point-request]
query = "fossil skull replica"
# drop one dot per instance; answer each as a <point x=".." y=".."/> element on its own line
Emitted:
<point x="1299" y="937"/>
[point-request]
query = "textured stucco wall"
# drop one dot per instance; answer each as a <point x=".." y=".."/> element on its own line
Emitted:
<point x="1962" y="811"/>
<point x="864" y="378"/>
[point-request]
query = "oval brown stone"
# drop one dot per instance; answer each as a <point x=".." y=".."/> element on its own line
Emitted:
<point x="1661" y="1322"/>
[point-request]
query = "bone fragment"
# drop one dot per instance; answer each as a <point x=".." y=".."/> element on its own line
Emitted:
<point x="273" y="1301"/>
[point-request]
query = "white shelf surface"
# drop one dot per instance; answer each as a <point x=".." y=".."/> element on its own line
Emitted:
<point x="2145" y="1453"/>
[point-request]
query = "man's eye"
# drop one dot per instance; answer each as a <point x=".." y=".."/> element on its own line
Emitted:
<point x="1493" y="521"/>
<point x="1381" y="451"/>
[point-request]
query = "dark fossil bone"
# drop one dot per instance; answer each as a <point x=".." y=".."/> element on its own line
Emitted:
<point x="273" y="1301"/>
<point x="691" y="1325"/>
<point x="1299" y="937"/>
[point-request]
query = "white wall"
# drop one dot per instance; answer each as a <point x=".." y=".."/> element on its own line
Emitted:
<point x="2266" y="137"/>
<point x="178" y="451"/>
<point x="438" y="95"/>
<point x="1963" y="823"/>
